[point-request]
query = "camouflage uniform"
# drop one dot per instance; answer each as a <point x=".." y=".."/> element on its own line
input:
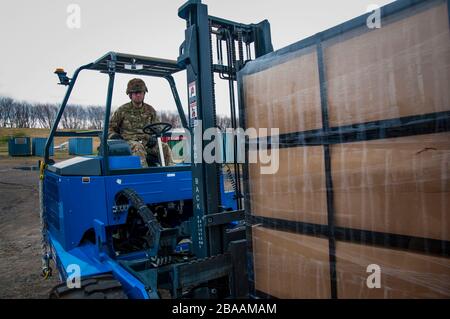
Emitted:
<point x="128" y="121"/>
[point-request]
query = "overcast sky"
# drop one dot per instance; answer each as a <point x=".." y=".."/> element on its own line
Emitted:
<point x="35" y="39"/>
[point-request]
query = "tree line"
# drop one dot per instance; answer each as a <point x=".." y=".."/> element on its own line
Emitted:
<point x="21" y="114"/>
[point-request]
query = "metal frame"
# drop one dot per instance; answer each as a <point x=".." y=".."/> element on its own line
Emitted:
<point x="326" y="136"/>
<point x="327" y="164"/>
<point x="196" y="56"/>
<point x="112" y="63"/>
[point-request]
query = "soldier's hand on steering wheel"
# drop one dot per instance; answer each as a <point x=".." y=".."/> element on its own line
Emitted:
<point x="157" y="129"/>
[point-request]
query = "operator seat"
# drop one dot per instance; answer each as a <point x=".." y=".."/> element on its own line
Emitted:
<point x="117" y="148"/>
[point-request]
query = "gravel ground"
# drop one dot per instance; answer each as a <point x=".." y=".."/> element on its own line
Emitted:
<point x="20" y="263"/>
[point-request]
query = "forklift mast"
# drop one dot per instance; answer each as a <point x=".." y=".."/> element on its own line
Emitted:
<point x="196" y="55"/>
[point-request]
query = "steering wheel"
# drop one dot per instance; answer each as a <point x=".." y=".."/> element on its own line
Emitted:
<point x="157" y="129"/>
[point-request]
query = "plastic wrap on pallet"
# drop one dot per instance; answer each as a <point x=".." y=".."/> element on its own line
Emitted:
<point x="359" y="206"/>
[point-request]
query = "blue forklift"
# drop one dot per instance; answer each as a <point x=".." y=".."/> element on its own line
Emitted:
<point x="162" y="231"/>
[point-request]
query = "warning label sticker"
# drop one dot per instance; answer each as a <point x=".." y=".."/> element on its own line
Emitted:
<point x="192" y="90"/>
<point x="193" y="113"/>
<point x="193" y="110"/>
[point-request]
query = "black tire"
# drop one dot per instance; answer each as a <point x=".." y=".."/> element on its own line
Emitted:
<point x="97" y="287"/>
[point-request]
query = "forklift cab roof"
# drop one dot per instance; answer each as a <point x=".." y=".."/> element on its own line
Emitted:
<point x="135" y="64"/>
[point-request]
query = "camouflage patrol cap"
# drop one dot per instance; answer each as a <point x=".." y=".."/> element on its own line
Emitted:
<point x="136" y="85"/>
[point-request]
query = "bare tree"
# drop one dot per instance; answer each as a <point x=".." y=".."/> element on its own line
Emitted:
<point x="21" y="115"/>
<point x="45" y="114"/>
<point x="170" y="117"/>
<point x="83" y="117"/>
<point x="6" y="111"/>
<point x="96" y="116"/>
<point x="224" y="122"/>
<point x="73" y="117"/>
<point x="32" y="115"/>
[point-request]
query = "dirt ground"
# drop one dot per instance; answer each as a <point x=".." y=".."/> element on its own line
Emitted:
<point x="20" y="252"/>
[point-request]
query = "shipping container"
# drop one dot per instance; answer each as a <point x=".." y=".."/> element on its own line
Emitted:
<point x="19" y="146"/>
<point x="80" y="146"/>
<point x="38" y="146"/>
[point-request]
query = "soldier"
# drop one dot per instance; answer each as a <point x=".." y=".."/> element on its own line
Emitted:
<point x="128" y="121"/>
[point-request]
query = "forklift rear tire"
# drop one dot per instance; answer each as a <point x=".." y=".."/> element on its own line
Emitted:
<point x="97" y="287"/>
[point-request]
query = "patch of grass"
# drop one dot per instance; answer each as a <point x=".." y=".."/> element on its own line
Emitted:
<point x="20" y="134"/>
<point x="4" y="139"/>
